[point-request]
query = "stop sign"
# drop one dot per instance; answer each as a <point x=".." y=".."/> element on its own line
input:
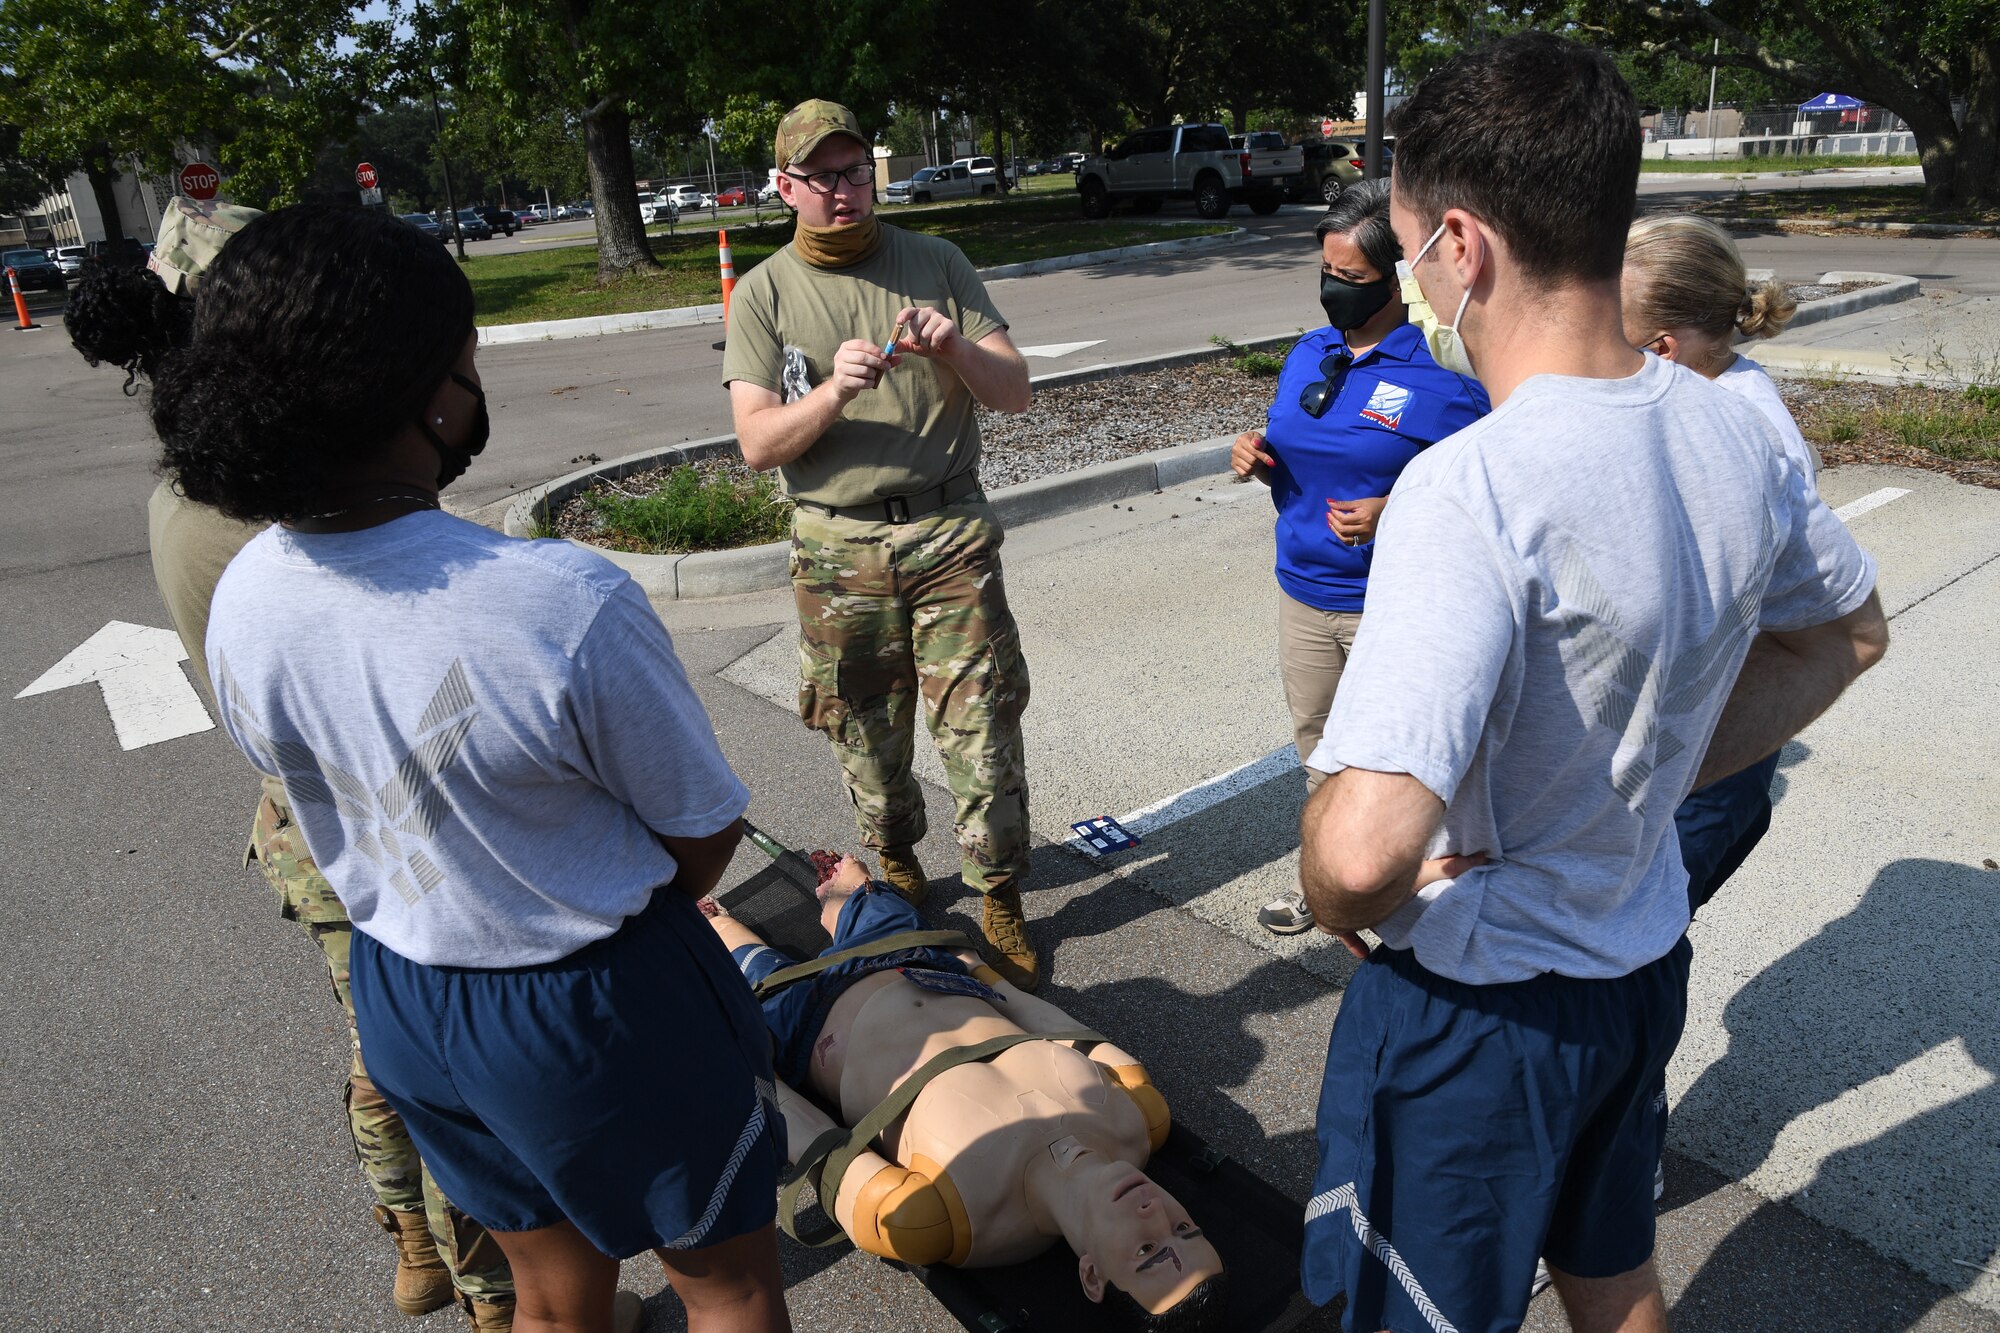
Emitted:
<point x="364" y="175"/>
<point x="200" y="181"/>
<point x="1326" y="128"/>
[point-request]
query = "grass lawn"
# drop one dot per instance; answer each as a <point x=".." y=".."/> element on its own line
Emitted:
<point x="562" y="283"/>
<point x="1862" y="203"/>
<point x="1764" y="165"/>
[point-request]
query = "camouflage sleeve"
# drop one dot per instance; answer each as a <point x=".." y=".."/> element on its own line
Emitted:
<point x="977" y="315"/>
<point x="753" y="352"/>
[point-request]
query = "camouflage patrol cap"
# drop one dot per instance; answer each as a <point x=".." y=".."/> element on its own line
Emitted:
<point x="806" y="126"/>
<point x="191" y="235"/>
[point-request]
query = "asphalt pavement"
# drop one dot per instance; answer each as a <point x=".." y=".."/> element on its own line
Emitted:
<point x="177" y="1157"/>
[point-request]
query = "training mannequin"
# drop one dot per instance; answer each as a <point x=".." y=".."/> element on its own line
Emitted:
<point x="994" y="1160"/>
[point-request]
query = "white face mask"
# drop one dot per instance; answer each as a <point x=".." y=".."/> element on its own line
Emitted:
<point x="1447" y="348"/>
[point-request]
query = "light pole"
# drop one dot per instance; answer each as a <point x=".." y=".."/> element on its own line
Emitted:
<point x="1378" y="40"/>
<point x="1712" y="70"/>
<point x="437" y="125"/>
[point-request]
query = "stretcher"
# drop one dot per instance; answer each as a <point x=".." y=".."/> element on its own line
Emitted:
<point x="1258" y="1230"/>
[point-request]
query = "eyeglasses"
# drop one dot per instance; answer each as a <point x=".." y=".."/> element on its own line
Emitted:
<point x="824" y="182"/>
<point x="1315" y="398"/>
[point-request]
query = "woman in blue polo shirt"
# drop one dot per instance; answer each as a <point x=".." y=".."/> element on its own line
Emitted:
<point x="1356" y="401"/>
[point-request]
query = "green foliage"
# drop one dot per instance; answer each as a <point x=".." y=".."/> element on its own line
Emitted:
<point x="1252" y="362"/>
<point x="747" y="126"/>
<point x="262" y="84"/>
<point x="690" y="511"/>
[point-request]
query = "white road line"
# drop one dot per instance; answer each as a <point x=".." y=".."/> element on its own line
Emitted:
<point x="1053" y="350"/>
<point x="1213" y="791"/>
<point x="1873" y="500"/>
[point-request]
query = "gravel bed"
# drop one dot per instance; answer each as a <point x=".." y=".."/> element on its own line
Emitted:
<point x="1075" y="425"/>
<point x="1819" y="291"/>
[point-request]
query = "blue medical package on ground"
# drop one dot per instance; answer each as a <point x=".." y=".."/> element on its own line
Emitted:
<point x="1105" y="834"/>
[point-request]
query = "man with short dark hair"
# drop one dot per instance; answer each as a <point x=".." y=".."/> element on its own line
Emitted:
<point x="857" y="355"/>
<point x="1561" y="596"/>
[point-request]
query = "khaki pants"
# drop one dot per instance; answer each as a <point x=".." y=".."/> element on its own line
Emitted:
<point x="1312" y="652"/>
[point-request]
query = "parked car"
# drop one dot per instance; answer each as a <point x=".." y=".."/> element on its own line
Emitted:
<point x="425" y="223"/>
<point x="472" y="226"/>
<point x="500" y="219"/>
<point x="69" y="258"/>
<point x="987" y="167"/>
<point x="583" y="208"/>
<point x="124" y="250"/>
<point x="656" y="208"/>
<point x="769" y="194"/>
<point x="684" y="197"/>
<point x="34" y="271"/>
<point x="733" y="197"/>
<point x="1332" y="166"/>
<point x="534" y="215"/>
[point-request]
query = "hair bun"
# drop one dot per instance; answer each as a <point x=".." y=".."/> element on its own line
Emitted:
<point x="1765" y="310"/>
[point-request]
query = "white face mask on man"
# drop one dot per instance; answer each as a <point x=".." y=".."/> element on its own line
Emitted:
<point x="1446" y="347"/>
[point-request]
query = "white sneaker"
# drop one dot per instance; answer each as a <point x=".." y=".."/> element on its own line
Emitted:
<point x="1660" y="1180"/>
<point x="1287" y="916"/>
<point x="1543" y="1279"/>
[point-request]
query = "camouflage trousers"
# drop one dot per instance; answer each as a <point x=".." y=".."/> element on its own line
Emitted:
<point x="388" y="1159"/>
<point x="894" y="613"/>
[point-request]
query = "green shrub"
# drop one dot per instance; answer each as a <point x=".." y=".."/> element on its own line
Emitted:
<point x="693" y="512"/>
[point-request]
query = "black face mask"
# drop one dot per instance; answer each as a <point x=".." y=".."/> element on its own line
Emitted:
<point x="453" y="460"/>
<point x="1349" y="305"/>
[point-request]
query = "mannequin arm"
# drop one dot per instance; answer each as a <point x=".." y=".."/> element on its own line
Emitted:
<point x="886" y="1209"/>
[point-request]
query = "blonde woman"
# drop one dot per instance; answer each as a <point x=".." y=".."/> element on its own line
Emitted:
<point x="1688" y="298"/>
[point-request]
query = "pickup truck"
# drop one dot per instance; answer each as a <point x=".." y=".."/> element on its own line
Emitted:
<point x="1272" y="159"/>
<point x="1175" y="162"/>
<point x="956" y="181"/>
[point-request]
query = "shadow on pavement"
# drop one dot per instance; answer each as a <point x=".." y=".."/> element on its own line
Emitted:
<point x="1862" y="1024"/>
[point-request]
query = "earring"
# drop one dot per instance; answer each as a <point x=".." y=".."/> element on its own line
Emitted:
<point x="439" y="420"/>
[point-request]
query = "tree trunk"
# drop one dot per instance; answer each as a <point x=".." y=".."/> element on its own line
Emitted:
<point x="103" y="183"/>
<point x="1977" y="182"/>
<point x="621" y="236"/>
<point x="1000" y="145"/>
<point x="1240" y="113"/>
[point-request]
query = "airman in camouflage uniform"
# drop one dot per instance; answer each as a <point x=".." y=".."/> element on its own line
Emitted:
<point x="857" y="358"/>
<point x="888" y="614"/>
<point x="458" y="1252"/>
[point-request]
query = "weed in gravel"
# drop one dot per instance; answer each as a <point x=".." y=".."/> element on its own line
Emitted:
<point x="1840" y="424"/>
<point x="693" y="512"/>
<point x="1253" y="363"/>
<point x="1966" y="426"/>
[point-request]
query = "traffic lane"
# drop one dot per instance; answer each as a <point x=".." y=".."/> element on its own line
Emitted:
<point x="79" y="456"/>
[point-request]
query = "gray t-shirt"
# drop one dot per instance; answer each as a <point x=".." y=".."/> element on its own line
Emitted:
<point x="481" y="738"/>
<point x="1562" y="595"/>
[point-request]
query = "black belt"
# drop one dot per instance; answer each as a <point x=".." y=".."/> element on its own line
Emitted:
<point x="901" y="508"/>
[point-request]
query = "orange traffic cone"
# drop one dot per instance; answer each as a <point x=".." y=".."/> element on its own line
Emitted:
<point x="20" y="303"/>
<point x="728" y="273"/>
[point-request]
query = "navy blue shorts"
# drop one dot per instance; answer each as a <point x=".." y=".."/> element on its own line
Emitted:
<point x="1718" y="826"/>
<point x="797" y="1013"/>
<point x="626" y="1087"/>
<point x="1466" y="1130"/>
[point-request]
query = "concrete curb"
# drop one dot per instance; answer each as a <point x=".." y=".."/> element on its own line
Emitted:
<point x="1811" y="225"/>
<point x="595" y="326"/>
<point x="1890" y="288"/>
<point x="758" y="568"/>
<point x="1773" y="175"/>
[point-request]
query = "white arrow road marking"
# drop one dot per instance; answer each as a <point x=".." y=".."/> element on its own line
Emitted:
<point x="138" y="668"/>
<point x="1873" y="500"/>
<point x="1053" y="350"/>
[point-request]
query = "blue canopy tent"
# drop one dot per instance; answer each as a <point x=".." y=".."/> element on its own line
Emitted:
<point x="1832" y="102"/>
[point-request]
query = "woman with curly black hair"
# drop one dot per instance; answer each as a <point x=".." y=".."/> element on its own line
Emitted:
<point x="501" y="768"/>
<point x="132" y="318"/>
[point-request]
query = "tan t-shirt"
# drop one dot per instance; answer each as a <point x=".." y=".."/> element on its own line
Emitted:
<point x="916" y="429"/>
<point x="191" y="544"/>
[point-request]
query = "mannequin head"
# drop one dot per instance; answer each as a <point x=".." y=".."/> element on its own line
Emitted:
<point x="1136" y="1246"/>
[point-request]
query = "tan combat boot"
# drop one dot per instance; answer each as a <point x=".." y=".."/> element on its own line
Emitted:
<point x="901" y="868"/>
<point x="488" y="1316"/>
<point x="1006" y="928"/>
<point x="423" y="1283"/>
